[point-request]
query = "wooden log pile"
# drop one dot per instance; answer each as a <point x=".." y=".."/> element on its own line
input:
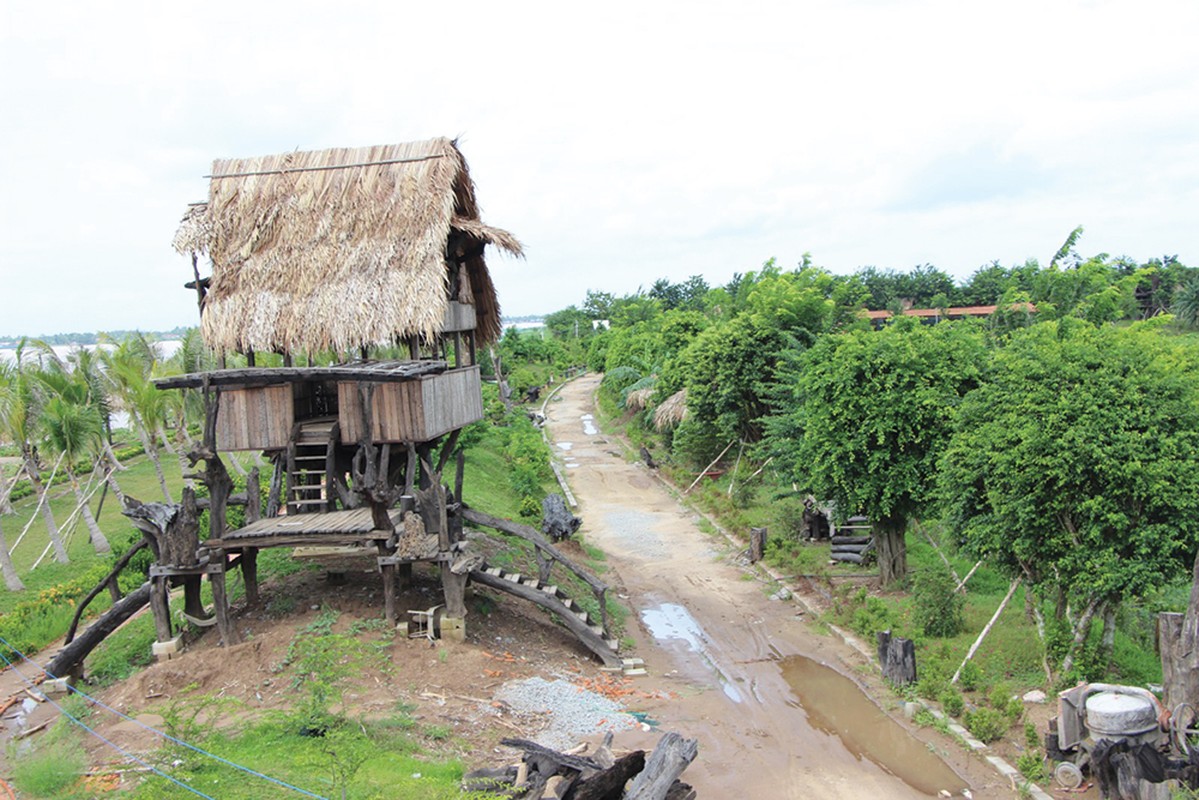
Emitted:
<point x="853" y="542"/>
<point x="545" y="774"/>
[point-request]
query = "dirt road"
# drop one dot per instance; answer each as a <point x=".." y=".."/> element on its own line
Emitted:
<point x="749" y="675"/>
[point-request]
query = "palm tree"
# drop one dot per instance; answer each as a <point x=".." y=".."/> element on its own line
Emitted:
<point x="11" y="579"/>
<point x="1186" y="304"/>
<point x="72" y="424"/>
<point x="128" y="367"/>
<point x="87" y="364"/>
<point x="17" y="425"/>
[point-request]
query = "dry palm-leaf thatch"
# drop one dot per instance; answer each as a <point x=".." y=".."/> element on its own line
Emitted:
<point x="639" y="399"/>
<point x="342" y="248"/>
<point x="672" y="411"/>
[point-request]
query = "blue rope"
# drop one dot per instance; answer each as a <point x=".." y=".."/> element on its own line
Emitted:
<point x="111" y="744"/>
<point x="163" y="734"/>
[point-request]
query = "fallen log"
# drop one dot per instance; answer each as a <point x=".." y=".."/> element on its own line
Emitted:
<point x="70" y="658"/>
<point x="609" y="784"/>
<point x="672" y="755"/>
<point x="840" y="540"/>
<point x="851" y="558"/>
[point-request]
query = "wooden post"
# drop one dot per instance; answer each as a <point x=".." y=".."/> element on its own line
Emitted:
<point x="757" y="544"/>
<point x="253" y="496"/>
<point x="986" y="629"/>
<point x="275" y="495"/>
<point x="389" y="585"/>
<point x="193" y="606"/>
<point x="220" y="599"/>
<point x="454" y="587"/>
<point x="249" y="574"/>
<point x="160" y="608"/>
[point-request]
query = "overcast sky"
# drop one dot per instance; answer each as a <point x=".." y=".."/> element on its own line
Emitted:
<point x="621" y="142"/>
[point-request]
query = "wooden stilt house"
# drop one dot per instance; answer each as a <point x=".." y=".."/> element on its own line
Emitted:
<point x="330" y="259"/>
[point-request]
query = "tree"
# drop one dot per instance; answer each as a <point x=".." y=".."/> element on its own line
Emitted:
<point x="71" y="422"/>
<point x="129" y="366"/>
<point x="1075" y="465"/>
<point x="17" y="425"/>
<point x="868" y="416"/>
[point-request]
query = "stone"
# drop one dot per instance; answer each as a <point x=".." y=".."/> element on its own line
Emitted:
<point x="1035" y="696"/>
<point x="165" y="651"/>
<point x="453" y="629"/>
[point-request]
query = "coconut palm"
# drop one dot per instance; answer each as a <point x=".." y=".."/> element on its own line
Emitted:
<point x="17" y="418"/>
<point x="1186" y="304"/>
<point x="11" y="579"/>
<point x="128" y="367"/>
<point x="72" y="425"/>
<point x="88" y="365"/>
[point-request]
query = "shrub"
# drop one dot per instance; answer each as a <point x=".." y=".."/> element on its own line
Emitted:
<point x="49" y="771"/>
<point x="971" y="676"/>
<point x="952" y="702"/>
<point x="938" y="610"/>
<point x="1032" y="765"/>
<point x="873" y="616"/>
<point x="986" y="724"/>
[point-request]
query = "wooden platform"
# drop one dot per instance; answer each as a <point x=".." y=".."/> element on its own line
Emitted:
<point x="331" y="528"/>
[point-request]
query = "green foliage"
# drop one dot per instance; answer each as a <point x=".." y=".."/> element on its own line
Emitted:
<point x="1080" y="451"/>
<point x="1032" y="739"/>
<point x="124" y="652"/>
<point x="872" y="616"/>
<point x="952" y="702"/>
<point x="49" y="771"/>
<point x="938" y="610"/>
<point x="1032" y="765"/>
<point x="986" y="724"/>
<point x="971" y="676"/>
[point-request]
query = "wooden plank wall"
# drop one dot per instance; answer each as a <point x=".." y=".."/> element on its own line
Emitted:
<point x="414" y="411"/>
<point x="258" y="418"/>
<point x="459" y="317"/>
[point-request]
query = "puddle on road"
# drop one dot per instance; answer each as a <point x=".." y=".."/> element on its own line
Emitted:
<point x="673" y="621"/>
<point x="589" y="425"/>
<point x="837" y="706"/>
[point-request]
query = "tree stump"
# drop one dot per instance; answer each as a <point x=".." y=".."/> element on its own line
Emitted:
<point x="757" y="544"/>
<point x="897" y="657"/>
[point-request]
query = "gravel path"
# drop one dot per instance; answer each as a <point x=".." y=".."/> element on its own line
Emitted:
<point x="575" y="712"/>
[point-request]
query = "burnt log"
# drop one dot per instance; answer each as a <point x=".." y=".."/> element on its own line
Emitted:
<point x="897" y="657"/>
<point x="70" y="658"/>
<point x="849" y="558"/>
<point x="173" y="530"/>
<point x="609" y="784"/>
<point x="757" y="544"/>
<point x="556" y="520"/>
<point x="647" y="458"/>
<point x="844" y="540"/>
<point x="672" y="755"/>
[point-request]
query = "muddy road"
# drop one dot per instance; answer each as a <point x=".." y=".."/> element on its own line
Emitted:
<point x="767" y="698"/>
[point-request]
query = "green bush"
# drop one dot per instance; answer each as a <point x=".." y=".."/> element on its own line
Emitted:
<point x="873" y="616"/>
<point x="952" y="702"/>
<point x="971" y="676"/>
<point x="49" y="771"/>
<point x="986" y="724"/>
<point x="937" y="609"/>
<point x="1032" y="765"/>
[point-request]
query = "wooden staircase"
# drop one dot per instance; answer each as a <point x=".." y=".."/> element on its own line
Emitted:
<point x="310" y="463"/>
<point x="551" y="597"/>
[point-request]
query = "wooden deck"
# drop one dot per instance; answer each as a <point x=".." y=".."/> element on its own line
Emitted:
<point x="331" y="528"/>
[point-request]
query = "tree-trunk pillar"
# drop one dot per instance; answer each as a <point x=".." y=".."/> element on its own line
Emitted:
<point x="892" y="550"/>
<point x="160" y="607"/>
<point x="453" y="624"/>
<point x="193" y="605"/>
<point x="249" y="574"/>
<point x="220" y="599"/>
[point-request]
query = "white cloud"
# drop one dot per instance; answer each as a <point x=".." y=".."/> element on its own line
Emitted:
<point x="621" y="143"/>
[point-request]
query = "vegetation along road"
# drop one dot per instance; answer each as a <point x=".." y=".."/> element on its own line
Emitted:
<point x="746" y="675"/>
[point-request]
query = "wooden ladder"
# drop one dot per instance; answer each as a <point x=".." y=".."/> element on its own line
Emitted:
<point x="310" y="459"/>
<point x="553" y="592"/>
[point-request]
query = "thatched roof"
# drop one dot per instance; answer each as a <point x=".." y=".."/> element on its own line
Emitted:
<point x="672" y="411"/>
<point x="337" y="249"/>
<point x="639" y="399"/>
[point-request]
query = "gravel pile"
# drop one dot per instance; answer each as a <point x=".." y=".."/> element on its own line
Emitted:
<point x="574" y="713"/>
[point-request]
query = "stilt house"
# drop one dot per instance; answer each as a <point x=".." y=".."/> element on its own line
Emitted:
<point x="331" y="258"/>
